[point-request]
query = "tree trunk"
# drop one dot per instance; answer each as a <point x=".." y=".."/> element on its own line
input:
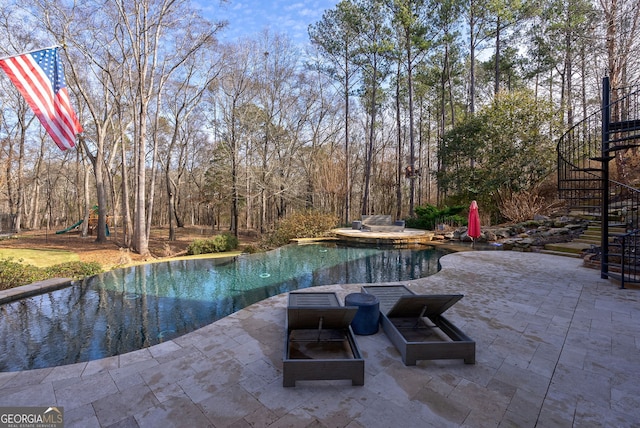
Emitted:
<point x="568" y="67"/>
<point x="612" y="29"/>
<point x="140" y="241"/>
<point x="86" y="202"/>
<point x="97" y="162"/>
<point x="127" y="223"/>
<point x="399" y="168"/>
<point x="35" y="199"/>
<point x="347" y="154"/>
<point x="497" y="60"/>
<point x="472" y="62"/>
<point x="412" y="149"/>
<point x="171" y="189"/>
<point x="234" y="175"/>
<point x="263" y="179"/>
<point x="369" y="160"/>
<point x="20" y="180"/>
<point x="451" y="100"/>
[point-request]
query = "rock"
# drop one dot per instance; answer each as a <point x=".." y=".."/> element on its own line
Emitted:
<point x="525" y="236"/>
<point x="502" y="233"/>
<point x="489" y="236"/>
<point x="575" y="226"/>
<point x="559" y="231"/>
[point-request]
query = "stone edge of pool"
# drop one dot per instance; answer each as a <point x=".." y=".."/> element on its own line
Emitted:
<point x="52" y="284"/>
<point x="33" y="289"/>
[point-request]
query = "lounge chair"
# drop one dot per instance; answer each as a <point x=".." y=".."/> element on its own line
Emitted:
<point x="319" y="343"/>
<point x="415" y="325"/>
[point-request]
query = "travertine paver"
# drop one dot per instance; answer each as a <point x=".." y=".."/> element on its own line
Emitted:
<point x="556" y="346"/>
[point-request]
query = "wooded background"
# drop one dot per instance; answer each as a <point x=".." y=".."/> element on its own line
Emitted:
<point x="392" y="104"/>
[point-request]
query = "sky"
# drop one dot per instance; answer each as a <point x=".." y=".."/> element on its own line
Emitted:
<point x="247" y="18"/>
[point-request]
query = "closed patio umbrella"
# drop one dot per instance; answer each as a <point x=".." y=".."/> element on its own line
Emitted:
<point x="474" y="222"/>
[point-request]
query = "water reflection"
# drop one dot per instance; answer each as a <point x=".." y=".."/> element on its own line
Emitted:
<point x="132" y="308"/>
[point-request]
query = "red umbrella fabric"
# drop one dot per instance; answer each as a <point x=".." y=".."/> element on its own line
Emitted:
<point x="474" y="221"/>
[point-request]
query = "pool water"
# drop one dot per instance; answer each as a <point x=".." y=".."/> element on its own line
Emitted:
<point x="132" y="308"/>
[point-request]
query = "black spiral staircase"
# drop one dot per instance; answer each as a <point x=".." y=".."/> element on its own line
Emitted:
<point x="590" y="153"/>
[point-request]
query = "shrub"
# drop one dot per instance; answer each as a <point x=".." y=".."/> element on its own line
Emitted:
<point x="219" y="244"/>
<point x="15" y="274"/>
<point x="427" y="216"/>
<point x="250" y="249"/>
<point x="525" y="204"/>
<point x="305" y="224"/>
<point x="73" y="270"/>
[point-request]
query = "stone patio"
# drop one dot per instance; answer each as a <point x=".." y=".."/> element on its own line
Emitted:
<point x="556" y="347"/>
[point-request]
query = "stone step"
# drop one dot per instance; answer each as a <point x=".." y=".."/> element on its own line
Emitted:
<point x="568" y="247"/>
<point x="612" y="229"/>
<point x="592" y="235"/>
<point x="561" y="253"/>
<point x="587" y="240"/>
<point x="592" y="232"/>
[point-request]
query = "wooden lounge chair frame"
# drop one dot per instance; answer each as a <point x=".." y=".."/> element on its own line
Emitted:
<point x="319" y="342"/>
<point x="416" y="327"/>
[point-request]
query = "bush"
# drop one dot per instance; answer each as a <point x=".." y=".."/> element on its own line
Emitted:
<point x="306" y="224"/>
<point x="525" y="204"/>
<point x="14" y="274"/>
<point x="428" y="216"/>
<point x="73" y="270"/>
<point x="219" y="244"/>
<point x="250" y="249"/>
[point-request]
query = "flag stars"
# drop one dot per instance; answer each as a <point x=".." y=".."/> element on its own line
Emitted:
<point x="50" y="63"/>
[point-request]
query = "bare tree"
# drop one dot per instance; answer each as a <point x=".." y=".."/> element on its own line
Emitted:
<point x="335" y="37"/>
<point x="236" y="92"/>
<point x="278" y="98"/>
<point x="185" y="95"/>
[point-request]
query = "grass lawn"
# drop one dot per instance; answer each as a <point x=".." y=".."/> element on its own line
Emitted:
<point x="38" y="258"/>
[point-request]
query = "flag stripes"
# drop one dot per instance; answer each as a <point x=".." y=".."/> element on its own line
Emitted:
<point x="40" y="79"/>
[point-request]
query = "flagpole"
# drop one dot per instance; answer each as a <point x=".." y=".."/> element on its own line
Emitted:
<point x="31" y="51"/>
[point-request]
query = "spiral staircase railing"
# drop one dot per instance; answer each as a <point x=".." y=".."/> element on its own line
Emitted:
<point x="585" y="154"/>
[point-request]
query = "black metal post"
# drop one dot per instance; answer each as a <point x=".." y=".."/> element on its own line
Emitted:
<point x="622" y="257"/>
<point x="604" y="215"/>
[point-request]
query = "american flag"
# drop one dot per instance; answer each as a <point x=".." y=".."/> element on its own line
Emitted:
<point x="40" y="79"/>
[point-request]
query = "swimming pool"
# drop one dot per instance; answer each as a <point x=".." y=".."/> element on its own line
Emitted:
<point x="136" y="307"/>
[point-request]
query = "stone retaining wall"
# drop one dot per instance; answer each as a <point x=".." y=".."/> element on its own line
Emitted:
<point x="522" y="236"/>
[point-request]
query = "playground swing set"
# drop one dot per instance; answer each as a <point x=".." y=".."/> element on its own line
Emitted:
<point x="93" y="223"/>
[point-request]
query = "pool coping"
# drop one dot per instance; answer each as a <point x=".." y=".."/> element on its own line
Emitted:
<point x="52" y="284"/>
<point x="35" y="288"/>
